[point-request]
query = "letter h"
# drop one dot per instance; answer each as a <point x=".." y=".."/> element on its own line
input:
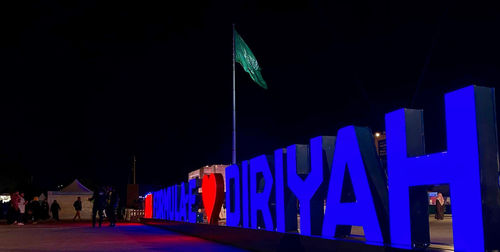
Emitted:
<point x="469" y="166"/>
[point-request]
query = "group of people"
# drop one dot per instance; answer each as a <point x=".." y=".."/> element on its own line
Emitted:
<point x="22" y="211"/>
<point x="104" y="199"/>
<point x="105" y="202"/>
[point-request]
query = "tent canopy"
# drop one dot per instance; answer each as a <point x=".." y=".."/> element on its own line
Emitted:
<point x="42" y="197"/>
<point x="76" y="187"/>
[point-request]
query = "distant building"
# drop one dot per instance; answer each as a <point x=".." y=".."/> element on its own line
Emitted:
<point x="381" y="146"/>
<point x="208" y="169"/>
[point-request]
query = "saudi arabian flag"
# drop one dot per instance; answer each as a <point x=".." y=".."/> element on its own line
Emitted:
<point x="245" y="57"/>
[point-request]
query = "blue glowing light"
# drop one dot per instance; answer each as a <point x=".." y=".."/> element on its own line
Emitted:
<point x="362" y="212"/>
<point x="245" y="193"/>
<point x="176" y="199"/>
<point x="469" y="167"/>
<point x="233" y="196"/>
<point x="260" y="200"/>
<point x="281" y="192"/>
<point x="305" y="189"/>
<point x="184" y="200"/>
<point x="459" y="167"/>
<point x="170" y="203"/>
<point x="159" y="204"/>
<point x="192" y="195"/>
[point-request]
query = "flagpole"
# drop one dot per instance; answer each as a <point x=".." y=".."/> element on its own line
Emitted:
<point x="234" y="105"/>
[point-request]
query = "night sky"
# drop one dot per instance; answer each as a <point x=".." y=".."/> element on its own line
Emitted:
<point x="87" y="84"/>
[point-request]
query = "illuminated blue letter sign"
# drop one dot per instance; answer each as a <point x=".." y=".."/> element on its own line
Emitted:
<point x="246" y="197"/>
<point x="192" y="199"/>
<point x="305" y="176"/>
<point x="263" y="192"/>
<point x="233" y="196"/>
<point x="164" y="207"/>
<point x="353" y="154"/>
<point x="176" y="197"/>
<point x="183" y="207"/>
<point x="170" y="212"/>
<point x="159" y="204"/>
<point x="173" y="205"/>
<point x="472" y="157"/>
<point x="286" y="202"/>
<point x="261" y="187"/>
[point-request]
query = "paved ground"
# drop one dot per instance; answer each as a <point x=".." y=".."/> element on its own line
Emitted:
<point x="71" y="236"/>
<point x="82" y="237"/>
<point x="441" y="232"/>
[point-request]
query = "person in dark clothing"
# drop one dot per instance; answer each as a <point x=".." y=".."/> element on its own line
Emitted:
<point x="78" y="207"/>
<point x="99" y="205"/>
<point x="14" y="200"/>
<point x="54" y="209"/>
<point x="4" y="210"/>
<point x="44" y="210"/>
<point x="35" y="210"/>
<point x="113" y="200"/>
<point x="440" y="207"/>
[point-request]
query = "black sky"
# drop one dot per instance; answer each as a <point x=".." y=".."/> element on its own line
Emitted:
<point x="85" y="84"/>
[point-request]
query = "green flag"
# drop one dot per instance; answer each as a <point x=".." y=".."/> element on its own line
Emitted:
<point x="245" y="57"/>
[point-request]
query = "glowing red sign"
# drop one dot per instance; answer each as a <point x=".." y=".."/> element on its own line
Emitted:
<point x="212" y="194"/>
<point x="148" y="206"/>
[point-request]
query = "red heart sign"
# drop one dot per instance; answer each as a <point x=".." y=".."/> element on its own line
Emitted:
<point x="212" y="190"/>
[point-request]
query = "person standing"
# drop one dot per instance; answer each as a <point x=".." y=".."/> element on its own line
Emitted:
<point x="14" y="200"/>
<point x="78" y="207"/>
<point x="440" y="207"/>
<point x="98" y="205"/>
<point x="35" y="210"/>
<point x="112" y="208"/>
<point x="21" y="203"/>
<point x="44" y="210"/>
<point x="54" y="209"/>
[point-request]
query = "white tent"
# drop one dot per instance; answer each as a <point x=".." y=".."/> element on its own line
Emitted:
<point x="67" y="196"/>
<point x="76" y="187"/>
<point x="42" y="197"/>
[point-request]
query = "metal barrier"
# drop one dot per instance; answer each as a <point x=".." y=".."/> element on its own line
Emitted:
<point x="133" y="215"/>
